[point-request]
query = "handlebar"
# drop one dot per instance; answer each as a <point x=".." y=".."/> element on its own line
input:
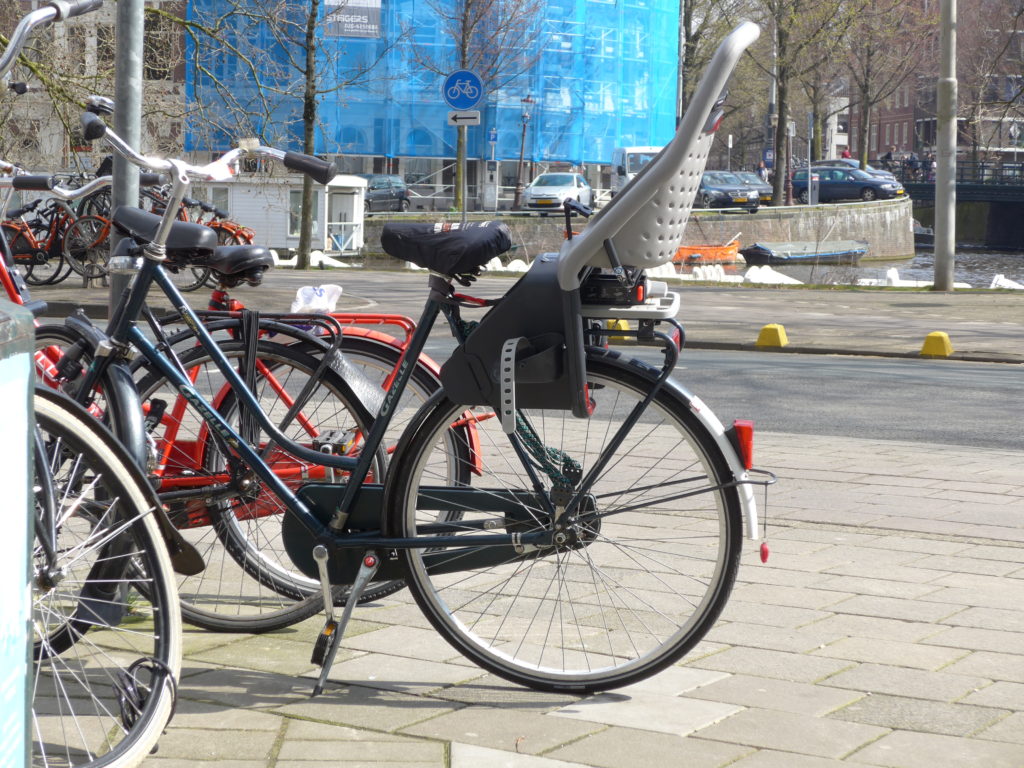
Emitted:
<point x="56" y="10"/>
<point x="94" y="128"/>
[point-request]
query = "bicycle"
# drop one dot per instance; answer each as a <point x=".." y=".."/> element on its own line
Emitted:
<point x="516" y="538"/>
<point x="37" y="244"/>
<point x="106" y="623"/>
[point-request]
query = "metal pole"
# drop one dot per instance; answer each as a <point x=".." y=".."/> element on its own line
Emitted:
<point x="945" y="169"/>
<point x="462" y="171"/>
<point x="127" y="116"/>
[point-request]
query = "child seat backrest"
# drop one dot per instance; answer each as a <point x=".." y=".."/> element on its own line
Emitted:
<point x="645" y="220"/>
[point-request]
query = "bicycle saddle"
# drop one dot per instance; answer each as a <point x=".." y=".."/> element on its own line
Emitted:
<point x="236" y="263"/>
<point x="448" y="249"/>
<point x="184" y="237"/>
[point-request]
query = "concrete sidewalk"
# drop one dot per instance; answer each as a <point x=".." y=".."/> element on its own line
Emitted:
<point x="886" y="629"/>
<point x="982" y="325"/>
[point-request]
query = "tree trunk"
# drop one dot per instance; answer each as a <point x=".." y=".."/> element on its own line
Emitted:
<point x="308" y="135"/>
<point x="781" y="144"/>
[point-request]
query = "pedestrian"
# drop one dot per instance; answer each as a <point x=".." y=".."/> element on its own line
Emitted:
<point x="889" y="159"/>
<point x="846" y="153"/>
<point x="762" y="171"/>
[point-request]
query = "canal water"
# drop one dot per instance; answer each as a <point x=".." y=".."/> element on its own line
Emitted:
<point x="974" y="267"/>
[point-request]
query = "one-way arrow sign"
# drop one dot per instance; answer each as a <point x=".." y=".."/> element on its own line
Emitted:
<point x="469" y="117"/>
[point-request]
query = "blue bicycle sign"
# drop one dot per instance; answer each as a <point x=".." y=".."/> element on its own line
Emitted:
<point x="462" y="89"/>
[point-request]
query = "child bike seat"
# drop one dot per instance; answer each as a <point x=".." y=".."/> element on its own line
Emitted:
<point x="448" y="249"/>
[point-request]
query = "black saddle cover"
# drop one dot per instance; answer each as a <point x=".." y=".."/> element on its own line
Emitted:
<point x="446" y="248"/>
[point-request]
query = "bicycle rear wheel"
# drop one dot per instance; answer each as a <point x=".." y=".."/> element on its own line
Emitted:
<point x="648" y="557"/>
<point x="106" y="659"/>
<point x="250" y="583"/>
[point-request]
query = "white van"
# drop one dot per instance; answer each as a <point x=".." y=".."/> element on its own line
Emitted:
<point x="627" y="162"/>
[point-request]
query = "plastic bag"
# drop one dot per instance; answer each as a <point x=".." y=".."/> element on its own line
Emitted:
<point x="316" y="298"/>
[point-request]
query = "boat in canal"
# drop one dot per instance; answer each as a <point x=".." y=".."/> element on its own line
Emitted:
<point x="805" y="252"/>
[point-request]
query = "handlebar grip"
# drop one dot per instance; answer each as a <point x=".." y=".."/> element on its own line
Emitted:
<point x="67" y="9"/>
<point x="317" y="169"/>
<point x="93" y="126"/>
<point x="150" y="179"/>
<point x="34" y="183"/>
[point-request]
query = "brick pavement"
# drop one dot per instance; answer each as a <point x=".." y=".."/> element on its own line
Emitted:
<point x="887" y="629"/>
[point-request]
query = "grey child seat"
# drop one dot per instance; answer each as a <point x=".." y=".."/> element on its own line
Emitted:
<point x="645" y="221"/>
<point x="528" y="351"/>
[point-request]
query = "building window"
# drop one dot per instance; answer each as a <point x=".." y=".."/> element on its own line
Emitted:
<point x="888" y="134"/>
<point x="295" y="212"/>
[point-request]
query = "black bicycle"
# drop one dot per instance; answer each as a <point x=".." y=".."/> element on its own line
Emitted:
<point x="565" y="516"/>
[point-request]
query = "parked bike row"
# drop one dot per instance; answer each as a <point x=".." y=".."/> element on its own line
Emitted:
<point x="50" y="240"/>
<point x="567" y="517"/>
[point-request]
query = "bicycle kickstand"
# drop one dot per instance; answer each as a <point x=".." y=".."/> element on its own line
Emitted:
<point x="326" y="647"/>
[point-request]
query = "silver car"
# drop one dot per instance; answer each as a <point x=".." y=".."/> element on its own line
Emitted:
<point x="548" y="191"/>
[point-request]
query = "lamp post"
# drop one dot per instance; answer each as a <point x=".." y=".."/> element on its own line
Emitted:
<point x="518" y="197"/>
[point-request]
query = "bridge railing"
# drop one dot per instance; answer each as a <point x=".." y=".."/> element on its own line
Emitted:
<point x="1003" y="173"/>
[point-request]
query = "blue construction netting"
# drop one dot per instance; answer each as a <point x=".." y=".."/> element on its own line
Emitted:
<point x="605" y="77"/>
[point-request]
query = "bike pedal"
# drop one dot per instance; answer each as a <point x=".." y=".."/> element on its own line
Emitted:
<point x="323" y="643"/>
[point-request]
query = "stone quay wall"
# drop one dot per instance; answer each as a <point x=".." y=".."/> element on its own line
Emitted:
<point x="885" y="225"/>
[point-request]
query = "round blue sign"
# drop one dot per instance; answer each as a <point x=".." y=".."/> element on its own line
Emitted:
<point x="462" y="90"/>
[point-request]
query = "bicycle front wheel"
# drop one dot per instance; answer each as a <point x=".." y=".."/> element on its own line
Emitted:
<point x="106" y="623"/>
<point x="647" y="558"/>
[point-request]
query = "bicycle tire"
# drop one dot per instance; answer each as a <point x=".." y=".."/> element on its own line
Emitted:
<point x="79" y="687"/>
<point x="629" y="594"/>
<point x="35" y="273"/>
<point x="249" y="583"/>
<point x="87" y="246"/>
<point x="189" y="278"/>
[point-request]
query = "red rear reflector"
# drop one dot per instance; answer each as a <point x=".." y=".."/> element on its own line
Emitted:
<point x="640" y="293"/>
<point x="744" y="430"/>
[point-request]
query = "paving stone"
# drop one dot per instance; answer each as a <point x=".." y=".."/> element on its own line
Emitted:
<point x="975" y="638"/>
<point x="905" y="749"/>
<point x="310" y="730"/>
<point x="342" y="763"/>
<point x="797" y="667"/>
<point x="988" y="618"/>
<point x="628" y="748"/>
<point x="1007" y="597"/>
<point x="772" y="615"/>
<point x="893" y="608"/>
<point x="891" y="652"/>
<point x="666" y="714"/>
<point x="852" y="625"/>
<point x="1000" y="553"/>
<point x="396" y="673"/>
<point x="198" y="714"/>
<point x="509" y="731"/>
<point x="267" y="653"/>
<point x="902" y="713"/>
<point x="216" y="745"/>
<point x="413" y="642"/>
<point x="789" y="732"/>
<point x="158" y="761"/>
<point x="365" y="750"/>
<point x="248" y="689"/>
<point x="368" y="708"/>
<point x="900" y="681"/>
<point x="996" y="666"/>
<point x="470" y="756"/>
<point x="924" y="546"/>
<point x="798" y="597"/>
<point x="766" y="693"/>
<point x="493" y="691"/>
<point x="795" y="640"/>
<point x="770" y="758"/>
<point x="999" y="694"/>
<point x="1009" y="729"/>
<point x="879" y="587"/>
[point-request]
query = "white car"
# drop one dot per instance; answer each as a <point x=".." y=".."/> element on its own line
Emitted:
<point x="549" y="190"/>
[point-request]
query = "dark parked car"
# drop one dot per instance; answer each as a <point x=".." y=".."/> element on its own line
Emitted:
<point x="722" y="189"/>
<point x="752" y="180"/>
<point x="849" y="162"/>
<point x="846" y="184"/>
<point x="385" y="192"/>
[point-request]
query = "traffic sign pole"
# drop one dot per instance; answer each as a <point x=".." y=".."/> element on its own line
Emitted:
<point x="462" y="90"/>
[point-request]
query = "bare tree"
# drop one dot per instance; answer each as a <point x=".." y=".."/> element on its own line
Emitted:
<point x="797" y="28"/>
<point x="498" y="39"/>
<point x="262" y="68"/>
<point x="885" y="47"/>
<point x="990" y="59"/>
